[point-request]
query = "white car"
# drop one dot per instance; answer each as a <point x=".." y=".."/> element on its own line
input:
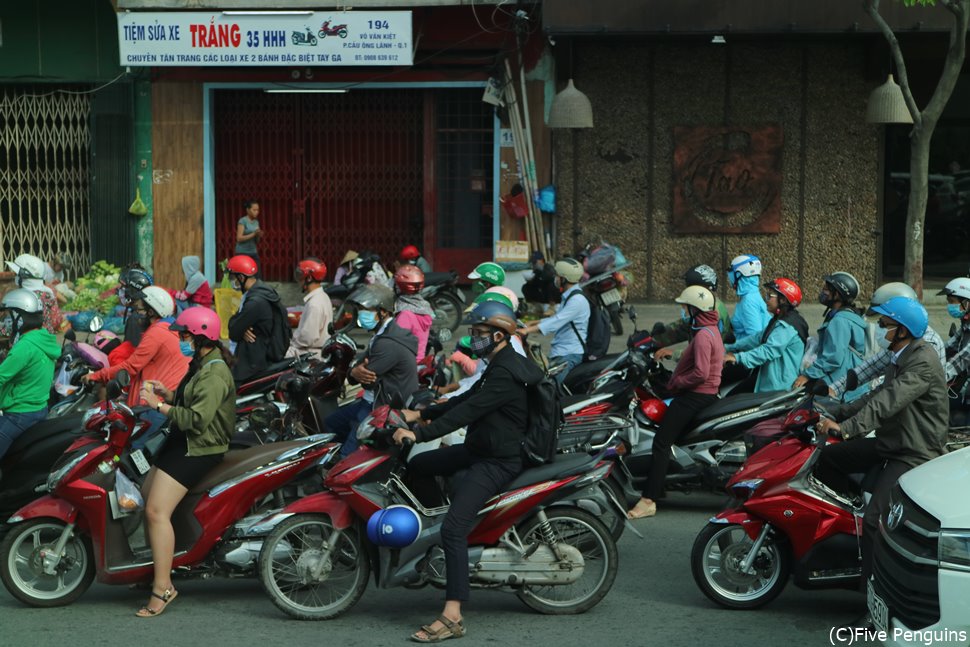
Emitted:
<point x="920" y="589"/>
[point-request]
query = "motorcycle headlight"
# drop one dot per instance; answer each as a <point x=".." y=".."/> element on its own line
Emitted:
<point x="744" y="489"/>
<point x="954" y="549"/>
<point x="90" y="413"/>
<point x="54" y="478"/>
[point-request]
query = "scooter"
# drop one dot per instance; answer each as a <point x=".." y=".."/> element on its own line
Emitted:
<point x="783" y="522"/>
<point x="301" y="38"/>
<point x="317" y="560"/>
<point x="336" y="30"/>
<point x="62" y="540"/>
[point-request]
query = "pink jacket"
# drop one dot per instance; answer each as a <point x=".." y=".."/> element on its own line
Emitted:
<point x="420" y="327"/>
<point x="699" y="368"/>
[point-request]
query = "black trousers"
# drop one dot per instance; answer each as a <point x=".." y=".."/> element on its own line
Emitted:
<point x="733" y="372"/>
<point x="854" y="457"/>
<point x="482" y="479"/>
<point x="678" y="418"/>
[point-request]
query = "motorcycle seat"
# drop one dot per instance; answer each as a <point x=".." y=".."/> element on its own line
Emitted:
<point x="44" y="429"/>
<point x="272" y="369"/>
<point x="563" y="465"/>
<point x="238" y="462"/>
<point x="436" y="278"/>
<point x="581" y="375"/>
<point x="733" y="404"/>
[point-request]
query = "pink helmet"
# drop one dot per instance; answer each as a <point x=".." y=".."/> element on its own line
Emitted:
<point x="198" y="321"/>
<point x="104" y="338"/>
<point x="507" y="293"/>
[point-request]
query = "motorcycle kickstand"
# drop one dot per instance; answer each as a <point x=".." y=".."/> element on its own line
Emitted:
<point x="748" y="561"/>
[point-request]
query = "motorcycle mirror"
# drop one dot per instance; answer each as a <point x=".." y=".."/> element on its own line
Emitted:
<point x="70" y="335"/>
<point x="112" y="389"/>
<point x="123" y="379"/>
<point x="819" y="387"/>
<point x="96" y="324"/>
<point x="330" y="329"/>
<point x="632" y="313"/>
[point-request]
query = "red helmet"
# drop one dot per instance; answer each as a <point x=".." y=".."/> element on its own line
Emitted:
<point x="242" y="264"/>
<point x="409" y="279"/>
<point x="310" y="269"/>
<point x="788" y="289"/>
<point x="410" y="253"/>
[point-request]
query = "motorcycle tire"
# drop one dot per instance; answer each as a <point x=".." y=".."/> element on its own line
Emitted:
<point x="322" y="34"/>
<point x="342" y="33"/>
<point x="592" y="531"/>
<point x="20" y="564"/>
<point x="731" y="543"/>
<point x="616" y="322"/>
<point x="448" y="311"/>
<point x="294" y="546"/>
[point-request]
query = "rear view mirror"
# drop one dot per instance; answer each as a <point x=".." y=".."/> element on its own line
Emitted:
<point x="96" y="324"/>
<point x="819" y="387"/>
<point x="112" y="389"/>
<point x="123" y="379"/>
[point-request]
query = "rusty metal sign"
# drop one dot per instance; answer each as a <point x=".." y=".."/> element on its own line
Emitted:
<point x="727" y="180"/>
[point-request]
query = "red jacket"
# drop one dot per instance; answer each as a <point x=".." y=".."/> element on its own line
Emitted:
<point x="157" y="357"/>
<point x="699" y="368"/>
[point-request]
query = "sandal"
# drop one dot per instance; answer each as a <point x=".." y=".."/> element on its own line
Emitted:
<point x="448" y="630"/>
<point x="166" y="598"/>
<point x="642" y="510"/>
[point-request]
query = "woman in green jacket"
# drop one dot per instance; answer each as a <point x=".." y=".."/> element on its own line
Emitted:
<point x="202" y="414"/>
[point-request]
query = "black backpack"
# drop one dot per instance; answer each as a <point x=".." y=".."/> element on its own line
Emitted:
<point x="597" y="341"/>
<point x="279" y="341"/>
<point x="545" y="421"/>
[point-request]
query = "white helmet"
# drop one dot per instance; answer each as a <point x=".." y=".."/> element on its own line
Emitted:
<point x="27" y="266"/>
<point x="746" y="265"/>
<point x="887" y="291"/>
<point x="697" y="296"/>
<point x="158" y="299"/>
<point x="959" y="287"/>
<point x="24" y="300"/>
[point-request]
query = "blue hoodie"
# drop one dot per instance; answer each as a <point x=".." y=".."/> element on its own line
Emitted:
<point x="751" y="314"/>
<point x="778" y="358"/>
<point x="841" y="346"/>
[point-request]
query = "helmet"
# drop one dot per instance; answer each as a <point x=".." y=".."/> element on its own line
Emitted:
<point x="242" y="264"/>
<point x="494" y="314"/>
<point x="746" y="265"/>
<point x="788" y="289"/>
<point x="136" y="278"/>
<point x="491" y="296"/>
<point x="845" y="284"/>
<point x="199" y="322"/>
<point x="409" y="253"/>
<point x="27" y="266"/>
<point x="373" y="297"/>
<point x="295" y="386"/>
<point x="310" y="270"/>
<point x="489" y="272"/>
<point x="698" y="297"/>
<point x="703" y="275"/>
<point x="396" y="526"/>
<point x="106" y="341"/>
<point x="886" y="292"/>
<point x="570" y="269"/>
<point x="23" y="300"/>
<point x="507" y="293"/>
<point x="158" y="299"/>
<point x="409" y="279"/>
<point x="959" y="287"/>
<point x="908" y="313"/>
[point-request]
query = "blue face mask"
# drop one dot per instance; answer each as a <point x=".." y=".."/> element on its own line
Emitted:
<point x="367" y="319"/>
<point x="186" y="348"/>
<point x="954" y="310"/>
<point x="684" y="316"/>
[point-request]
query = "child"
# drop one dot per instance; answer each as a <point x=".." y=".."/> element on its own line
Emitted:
<point x="197" y="291"/>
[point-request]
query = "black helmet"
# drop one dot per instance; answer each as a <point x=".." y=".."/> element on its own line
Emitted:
<point x="494" y="314"/>
<point x="703" y="275"/>
<point x="295" y="386"/>
<point x="373" y="296"/>
<point x="845" y="284"/>
<point x="136" y="278"/>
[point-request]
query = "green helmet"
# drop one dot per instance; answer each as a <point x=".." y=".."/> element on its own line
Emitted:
<point x="489" y="272"/>
<point x="491" y="296"/>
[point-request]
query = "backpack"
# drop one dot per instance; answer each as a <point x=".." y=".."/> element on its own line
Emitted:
<point x="597" y="341"/>
<point x="279" y="341"/>
<point x="545" y="421"/>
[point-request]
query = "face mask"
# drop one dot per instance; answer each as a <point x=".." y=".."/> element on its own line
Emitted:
<point x="186" y="348"/>
<point x="954" y="310"/>
<point x="483" y="346"/>
<point x="367" y="319"/>
<point x="236" y="285"/>
<point x="824" y="298"/>
<point x="883" y="341"/>
<point x="684" y="316"/>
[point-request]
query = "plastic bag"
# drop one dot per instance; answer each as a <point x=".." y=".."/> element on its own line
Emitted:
<point x="547" y="199"/>
<point x="811" y="352"/>
<point x="600" y="260"/>
<point x="62" y="383"/>
<point x="129" y="498"/>
<point x="138" y="207"/>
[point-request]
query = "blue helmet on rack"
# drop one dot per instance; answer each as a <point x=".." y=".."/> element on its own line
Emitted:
<point x="907" y="312"/>
<point x="396" y="526"/>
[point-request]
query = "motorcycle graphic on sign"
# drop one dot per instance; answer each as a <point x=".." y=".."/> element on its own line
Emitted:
<point x="304" y="39"/>
<point x="336" y="30"/>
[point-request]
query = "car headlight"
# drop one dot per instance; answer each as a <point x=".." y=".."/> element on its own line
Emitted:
<point x="744" y="489"/>
<point x="954" y="549"/>
<point x="54" y="478"/>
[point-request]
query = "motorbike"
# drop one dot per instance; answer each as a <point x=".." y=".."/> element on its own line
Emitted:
<point x="83" y="527"/>
<point x="326" y="29"/>
<point x="783" y="523"/>
<point x="301" y="38"/>
<point x="317" y="560"/>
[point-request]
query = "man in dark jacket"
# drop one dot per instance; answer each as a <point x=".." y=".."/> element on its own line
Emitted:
<point x="260" y="327"/>
<point x="388" y="370"/>
<point x="495" y="411"/>
<point x="909" y="413"/>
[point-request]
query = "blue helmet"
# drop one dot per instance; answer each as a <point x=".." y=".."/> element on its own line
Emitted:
<point x="494" y="314"/>
<point x="907" y="312"/>
<point x="396" y="526"/>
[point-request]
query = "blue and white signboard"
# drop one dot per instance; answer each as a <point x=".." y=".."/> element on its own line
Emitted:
<point x="252" y="39"/>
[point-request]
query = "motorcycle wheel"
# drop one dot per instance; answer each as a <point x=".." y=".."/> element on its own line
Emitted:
<point x="342" y="33"/>
<point x="322" y="34"/>
<point x="447" y="311"/>
<point x="714" y="560"/>
<point x="22" y="571"/>
<point x="616" y="322"/>
<point x="587" y="534"/>
<point x="293" y="549"/>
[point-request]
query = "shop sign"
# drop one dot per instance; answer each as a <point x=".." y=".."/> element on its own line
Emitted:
<point x="728" y="179"/>
<point x="511" y="251"/>
<point x="318" y="39"/>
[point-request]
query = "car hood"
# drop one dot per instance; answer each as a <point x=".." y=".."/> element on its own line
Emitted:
<point x="932" y="486"/>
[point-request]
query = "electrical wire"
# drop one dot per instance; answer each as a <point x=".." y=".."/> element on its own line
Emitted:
<point x="44" y="95"/>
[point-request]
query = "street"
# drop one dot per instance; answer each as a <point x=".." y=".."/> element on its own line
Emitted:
<point x="653" y="601"/>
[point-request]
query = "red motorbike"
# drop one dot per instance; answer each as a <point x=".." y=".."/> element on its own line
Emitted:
<point x="557" y="559"/>
<point x="326" y="29"/>
<point x="59" y="542"/>
<point x="784" y="522"/>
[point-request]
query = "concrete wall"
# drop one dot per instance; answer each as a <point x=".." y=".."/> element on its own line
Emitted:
<point x="816" y="90"/>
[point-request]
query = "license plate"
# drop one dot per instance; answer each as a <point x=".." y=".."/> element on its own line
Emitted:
<point x="138" y="458"/>
<point x="610" y="297"/>
<point x="878" y="610"/>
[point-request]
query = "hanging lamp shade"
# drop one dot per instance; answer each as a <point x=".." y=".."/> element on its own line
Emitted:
<point x="571" y="109"/>
<point x="887" y="105"/>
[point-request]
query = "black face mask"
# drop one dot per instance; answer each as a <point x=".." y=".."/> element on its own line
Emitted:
<point x="482" y="346"/>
